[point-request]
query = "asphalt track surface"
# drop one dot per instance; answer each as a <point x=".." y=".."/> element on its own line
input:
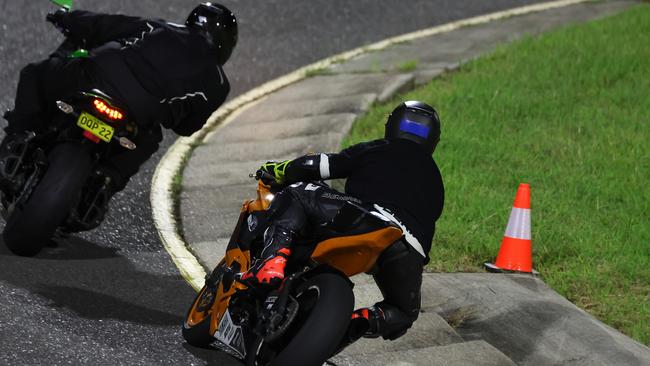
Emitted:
<point x="113" y="296"/>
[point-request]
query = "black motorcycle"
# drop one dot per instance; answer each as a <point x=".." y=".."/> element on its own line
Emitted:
<point x="57" y="180"/>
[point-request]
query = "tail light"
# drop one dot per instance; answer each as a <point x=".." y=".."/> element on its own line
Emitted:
<point x="110" y="112"/>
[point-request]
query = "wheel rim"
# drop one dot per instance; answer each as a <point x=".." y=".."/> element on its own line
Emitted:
<point x="202" y="305"/>
<point x="265" y="353"/>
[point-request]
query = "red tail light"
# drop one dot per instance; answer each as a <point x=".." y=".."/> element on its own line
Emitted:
<point x="103" y="108"/>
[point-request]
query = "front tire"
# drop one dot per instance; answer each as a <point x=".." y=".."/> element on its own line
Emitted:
<point x="196" y="329"/>
<point x="326" y="304"/>
<point x="28" y="229"/>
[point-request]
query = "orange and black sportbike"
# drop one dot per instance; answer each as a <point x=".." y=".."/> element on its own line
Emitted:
<point x="302" y="322"/>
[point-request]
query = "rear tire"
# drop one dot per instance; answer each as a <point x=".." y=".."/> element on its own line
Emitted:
<point x="29" y="229"/>
<point x="322" y="327"/>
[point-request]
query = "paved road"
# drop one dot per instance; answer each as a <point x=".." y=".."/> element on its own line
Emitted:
<point x="112" y="296"/>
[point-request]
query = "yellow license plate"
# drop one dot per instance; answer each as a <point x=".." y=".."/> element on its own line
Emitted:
<point x="95" y="126"/>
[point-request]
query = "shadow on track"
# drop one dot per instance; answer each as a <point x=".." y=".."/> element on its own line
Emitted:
<point x="94" y="305"/>
<point x="96" y="282"/>
<point x="73" y="248"/>
<point x="208" y="355"/>
<point x="91" y="292"/>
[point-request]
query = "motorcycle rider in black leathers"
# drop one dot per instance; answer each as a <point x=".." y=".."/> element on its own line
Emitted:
<point x="166" y="74"/>
<point x="397" y="177"/>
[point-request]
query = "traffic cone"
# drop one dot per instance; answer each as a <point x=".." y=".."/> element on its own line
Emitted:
<point x="516" y="253"/>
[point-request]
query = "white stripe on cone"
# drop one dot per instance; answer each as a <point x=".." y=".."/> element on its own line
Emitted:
<point x="519" y="224"/>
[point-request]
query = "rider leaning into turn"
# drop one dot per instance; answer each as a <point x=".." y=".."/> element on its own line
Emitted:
<point x="166" y="74"/>
<point x="398" y="177"/>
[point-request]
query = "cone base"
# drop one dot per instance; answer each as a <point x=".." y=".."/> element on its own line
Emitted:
<point x="494" y="269"/>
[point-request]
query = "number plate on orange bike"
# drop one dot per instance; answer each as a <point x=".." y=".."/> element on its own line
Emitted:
<point x="95" y="126"/>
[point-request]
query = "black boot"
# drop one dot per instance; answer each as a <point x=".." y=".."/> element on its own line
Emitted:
<point x="363" y="323"/>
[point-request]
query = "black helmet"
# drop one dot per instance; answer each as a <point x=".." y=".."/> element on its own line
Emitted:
<point x="415" y="121"/>
<point x="219" y="24"/>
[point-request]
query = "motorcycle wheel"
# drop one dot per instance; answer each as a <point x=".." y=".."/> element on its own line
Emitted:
<point x="326" y="304"/>
<point x="196" y="329"/>
<point x="28" y="229"/>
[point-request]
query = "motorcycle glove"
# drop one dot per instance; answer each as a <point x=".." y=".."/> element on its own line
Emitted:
<point x="57" y="19"/>
<point x="271" y="270"/>
<point x="276" y="169"/>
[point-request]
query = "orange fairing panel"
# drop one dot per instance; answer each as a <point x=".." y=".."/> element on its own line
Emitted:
<point x="263" y="200"/>
<point x="223" y="298"/>
<point x="358" y="253"/>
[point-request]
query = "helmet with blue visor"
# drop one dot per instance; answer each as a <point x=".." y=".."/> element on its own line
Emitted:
<point x="415" y="121"/>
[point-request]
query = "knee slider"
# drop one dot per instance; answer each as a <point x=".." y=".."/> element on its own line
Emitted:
<point x="395" y="322"/>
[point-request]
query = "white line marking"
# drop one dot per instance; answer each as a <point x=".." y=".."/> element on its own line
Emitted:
<point x="162" y="204"/>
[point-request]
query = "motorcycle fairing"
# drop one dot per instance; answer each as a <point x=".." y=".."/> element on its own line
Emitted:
<point x="236" y="261"/>
<point x="357" y="253"/>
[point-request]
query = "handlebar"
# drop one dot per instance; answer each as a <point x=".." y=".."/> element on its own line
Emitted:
<point x="267" y="179"/>
<point x="264" y="176"/>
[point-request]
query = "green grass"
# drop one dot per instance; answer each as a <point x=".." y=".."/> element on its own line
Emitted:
<point x="569" y="113"/>
<point x="407" y="66"/>
<point x="323" y="71"/>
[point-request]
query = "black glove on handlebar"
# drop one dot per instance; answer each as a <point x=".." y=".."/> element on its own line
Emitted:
<point x="269" y="180"/>
<point x="57" y="19"/>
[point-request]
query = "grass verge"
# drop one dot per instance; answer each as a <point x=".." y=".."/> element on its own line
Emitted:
<point x="567" y="112"/>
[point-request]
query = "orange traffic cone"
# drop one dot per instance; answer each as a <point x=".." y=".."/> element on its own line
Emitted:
<point x="516" y="253"/>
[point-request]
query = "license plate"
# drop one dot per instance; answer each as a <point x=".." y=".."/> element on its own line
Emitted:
<point x="95" y="126"/>
<point x="231" y="335"/>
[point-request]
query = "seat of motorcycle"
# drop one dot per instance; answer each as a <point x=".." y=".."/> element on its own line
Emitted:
<point x="111" y="100"/>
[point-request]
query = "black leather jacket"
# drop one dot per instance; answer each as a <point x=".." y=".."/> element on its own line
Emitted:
<point x="398" y="175"/>
<point x="164" y="73"/>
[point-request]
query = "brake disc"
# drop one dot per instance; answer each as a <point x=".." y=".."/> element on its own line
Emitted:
<point x="279" y="323"/>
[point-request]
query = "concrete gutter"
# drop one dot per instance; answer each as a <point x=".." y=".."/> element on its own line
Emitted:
<point x="498" y="319"/>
